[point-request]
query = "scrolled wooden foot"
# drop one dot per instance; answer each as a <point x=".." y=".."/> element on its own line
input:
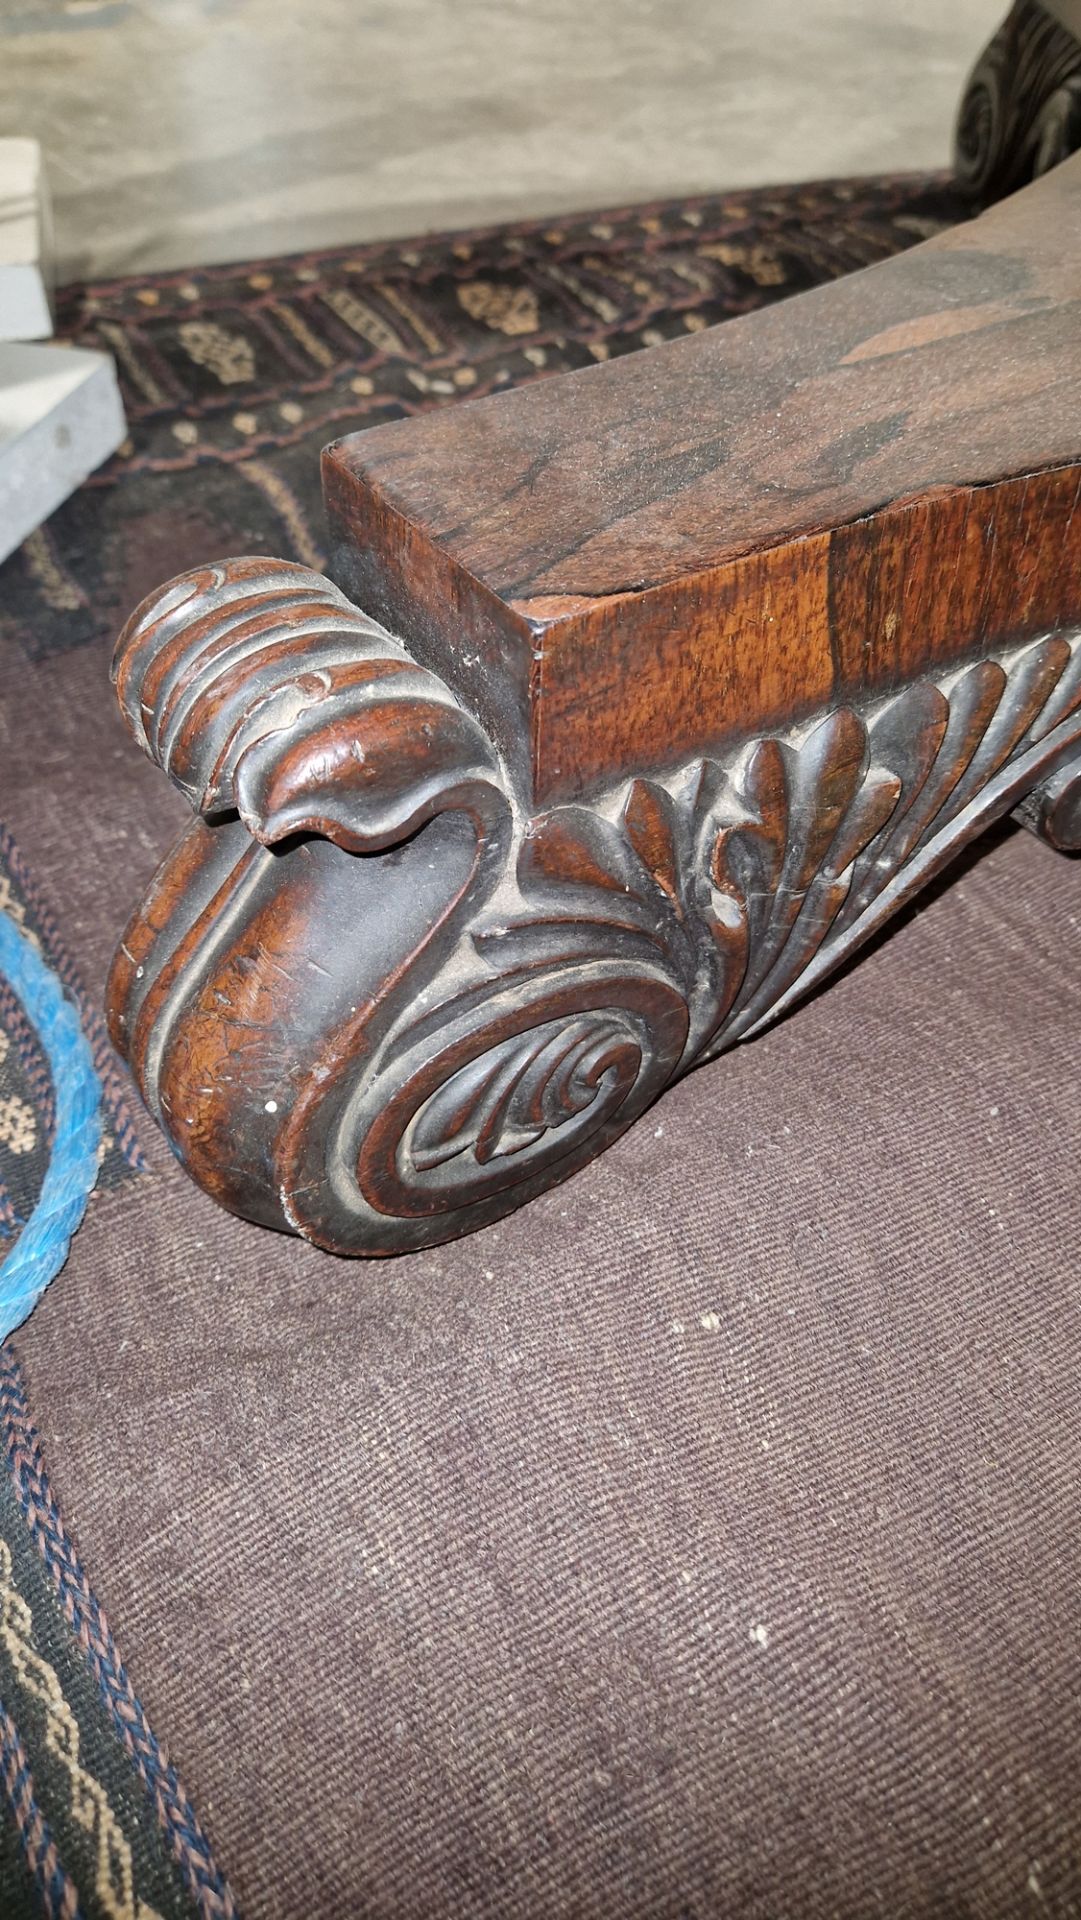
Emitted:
<point x="686" y="673"/>
<point x="371" y="1001"/>
<point x="361" y="1036"/>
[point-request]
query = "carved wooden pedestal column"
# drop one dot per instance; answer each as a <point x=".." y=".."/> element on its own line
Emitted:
<point x="675" y="678"/>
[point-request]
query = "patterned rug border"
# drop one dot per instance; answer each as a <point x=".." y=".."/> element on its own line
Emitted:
<point x="116" y="314"/>
<point x="177" y="1818"/>
<point x="57" y="1893"/>
<point x="46" y="926"/>
<point x="14" y="1023"/>
<point x="757" y="198"/>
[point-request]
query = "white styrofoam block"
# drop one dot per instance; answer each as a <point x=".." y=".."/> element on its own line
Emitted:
<point x="25" y="243"/>
<point x="60" y="416"/>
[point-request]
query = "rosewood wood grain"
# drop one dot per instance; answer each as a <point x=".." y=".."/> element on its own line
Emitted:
<point x="674" y="680"/>
<point x="648" y="559"/>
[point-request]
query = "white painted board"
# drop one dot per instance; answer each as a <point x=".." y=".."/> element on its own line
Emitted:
<point x="60" y="416"/>
<point x="24" y="243"/>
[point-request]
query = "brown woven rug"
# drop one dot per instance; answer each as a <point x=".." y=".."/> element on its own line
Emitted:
<point x="701" y="1540"/>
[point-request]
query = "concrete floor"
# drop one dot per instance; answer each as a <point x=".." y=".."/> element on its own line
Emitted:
<point x="188" y="131"/>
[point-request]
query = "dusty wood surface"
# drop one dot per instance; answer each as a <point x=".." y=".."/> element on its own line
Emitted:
<point x="644" y="560"/>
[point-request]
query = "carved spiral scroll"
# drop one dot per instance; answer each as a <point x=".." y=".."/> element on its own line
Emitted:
<point x="1020" y="112"/>
<point x="637" y="939"/>
<point x="409" y="1008"/>
<point x="454" y="1127"/>
<point x="283" y="712"/>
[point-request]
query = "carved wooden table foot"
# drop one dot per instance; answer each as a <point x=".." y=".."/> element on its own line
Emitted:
<point x="677" y="678"/>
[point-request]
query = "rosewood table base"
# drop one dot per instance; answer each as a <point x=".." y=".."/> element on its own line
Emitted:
<point x="641" y="699"/>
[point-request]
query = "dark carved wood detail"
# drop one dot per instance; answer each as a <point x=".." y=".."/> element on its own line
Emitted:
<point x="374" y="1001"/>
<point x="653" y="560"/>
<point x="686" y="672"/>
<point x="1053" y="809"/>
<point x="1021" y="110"/>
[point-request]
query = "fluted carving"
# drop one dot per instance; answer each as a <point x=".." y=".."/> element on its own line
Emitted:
<point x="258" y="687"/>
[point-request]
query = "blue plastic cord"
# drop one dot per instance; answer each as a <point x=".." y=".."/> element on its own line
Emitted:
<point x="42" y="1247"/>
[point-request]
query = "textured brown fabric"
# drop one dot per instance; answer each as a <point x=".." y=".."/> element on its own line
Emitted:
<point x="702" y="1540"/>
